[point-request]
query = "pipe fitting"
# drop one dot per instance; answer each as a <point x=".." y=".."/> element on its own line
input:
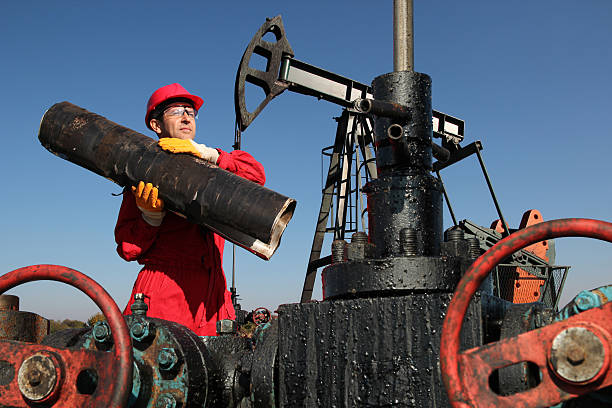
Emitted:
<point x="395" y="131"/>
<point x="139" y="307"/>
<point x="383" y="109"/>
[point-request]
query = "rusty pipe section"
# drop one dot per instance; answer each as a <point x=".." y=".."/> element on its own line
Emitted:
<point x="241" y="211"/>
<point x="19" y="325"/>
<point x="383" y="108"/>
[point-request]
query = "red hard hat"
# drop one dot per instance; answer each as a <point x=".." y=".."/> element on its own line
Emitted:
<point x="170" y="92"/>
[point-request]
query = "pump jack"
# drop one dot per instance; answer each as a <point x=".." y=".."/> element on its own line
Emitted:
<point x="353" y="145"/>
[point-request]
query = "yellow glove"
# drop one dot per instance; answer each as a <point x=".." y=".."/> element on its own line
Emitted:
<point x="149" y="204"/>
<point x="174" y="145"/>
<point x="147" y="197"/>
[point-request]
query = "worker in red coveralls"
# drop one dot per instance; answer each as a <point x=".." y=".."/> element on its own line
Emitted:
<point x="182" y="277"/>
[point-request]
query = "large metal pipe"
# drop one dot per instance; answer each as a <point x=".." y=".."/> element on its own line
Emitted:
<point x="403" y="36"/>
<point x="241" y="211"/>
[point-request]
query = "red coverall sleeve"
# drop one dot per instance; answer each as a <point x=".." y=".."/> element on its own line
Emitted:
<point x="242" y="164"/>
<point x="132" y="233"/>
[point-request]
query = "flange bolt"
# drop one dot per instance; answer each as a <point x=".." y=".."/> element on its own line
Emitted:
<point x="166" y="401"/>
<point x="455" y="234"/>
<point x="359" y="237"/>
<point x="474" y="247"/>
<point x="408" y="241"/>
<point x="167" y="359"/>
<point x="101" y="332"/>
<point x="140" y="330"/>
<point x="338" y="251"/>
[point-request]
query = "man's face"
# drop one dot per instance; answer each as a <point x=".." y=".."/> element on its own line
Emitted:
<point x="178" y="121"/>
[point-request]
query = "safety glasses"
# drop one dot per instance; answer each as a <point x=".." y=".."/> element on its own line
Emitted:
<point x="180" y="111"/>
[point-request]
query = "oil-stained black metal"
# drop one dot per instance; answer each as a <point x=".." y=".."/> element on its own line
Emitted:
<point x="456" y="247"/>
<point x="405" y="194"/>
<point x="375" y="277"/>
<point x="520" y="318"/>
<point x="229" y="360"/>
<point x="264" y="373"/>
<point x="372" y="352"/>
<point x="412" y="90"/>
<point x="440" y="153"/>
<point x="66" y="338"/>
<point x="243" y="212"/>
<point x="267" y="80"/>
<point x="409" y="199"/>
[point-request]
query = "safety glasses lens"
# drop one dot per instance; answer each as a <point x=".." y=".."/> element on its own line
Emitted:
<point x="180" y="111"/>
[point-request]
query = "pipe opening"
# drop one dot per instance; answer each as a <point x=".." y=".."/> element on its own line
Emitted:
<point x="395" y="131"/>
<point x="365" y="105"/>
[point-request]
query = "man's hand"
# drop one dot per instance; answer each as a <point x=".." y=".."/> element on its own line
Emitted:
<point x="174" y="145"/>
<point x="149" y="203"/>
<point x="147" y="197"/>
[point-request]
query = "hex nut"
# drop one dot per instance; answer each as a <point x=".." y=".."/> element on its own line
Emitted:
<point x="577" y="355"/>
<point x="140" y="330"/>
<point x="101" y="332"/>
<point x="37" y="377"/>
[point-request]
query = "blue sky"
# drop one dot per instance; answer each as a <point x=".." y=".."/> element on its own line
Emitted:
<point x="530" y="79"/>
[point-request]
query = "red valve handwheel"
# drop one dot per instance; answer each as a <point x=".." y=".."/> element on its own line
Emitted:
<point x="261" y="315"/>
<point x="102" y="379"/>
<point x="466" y="374"/>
